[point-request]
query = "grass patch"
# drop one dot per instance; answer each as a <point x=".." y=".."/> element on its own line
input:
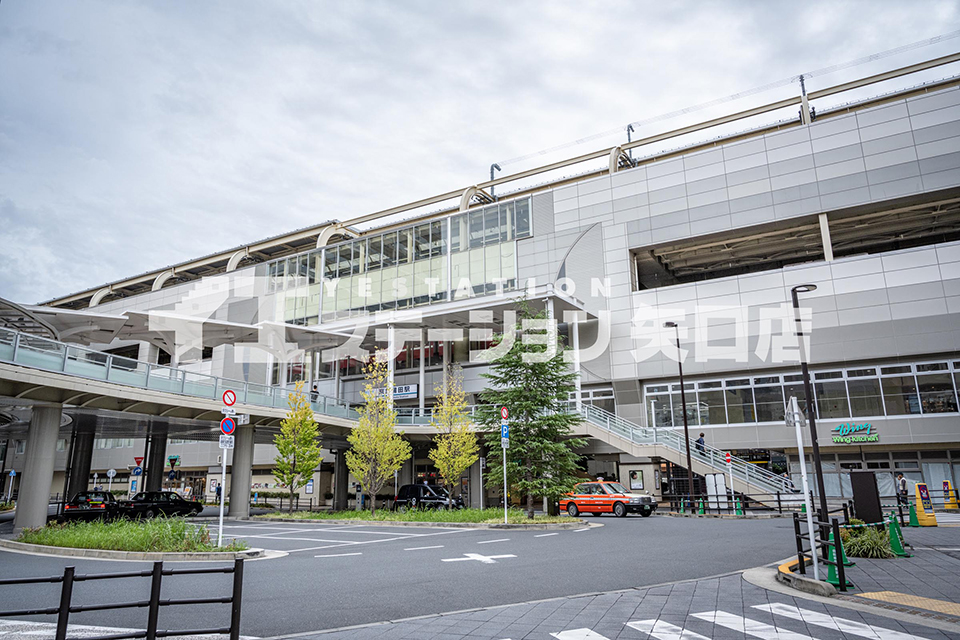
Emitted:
<point x="6" y="506"/>
<point x="161" y="534"/>
<point x="478" y="516"/>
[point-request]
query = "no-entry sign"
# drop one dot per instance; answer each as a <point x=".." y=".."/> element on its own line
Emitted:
<point x="504" y="413"/>
<point x="728" y="456"/>
<point x="228" y="426"/>
<point x="229" y="397"/>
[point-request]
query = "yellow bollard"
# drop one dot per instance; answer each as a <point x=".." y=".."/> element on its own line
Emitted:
<point x="925" y="515"/>
<point x="949" y="496"/>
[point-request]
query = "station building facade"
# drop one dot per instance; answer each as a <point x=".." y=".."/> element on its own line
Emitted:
<point x="863" y="202"/>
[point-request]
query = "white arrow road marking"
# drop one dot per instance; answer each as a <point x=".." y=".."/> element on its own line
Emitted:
<point x="497" y="540"/>
<point x="842" y="625"/>
<point x="579" y="634"/>
<point x="479" y="558"/>
<point x="749" y="627"/>
<point x="664" y="630"/>
<point x="339" y="555"/>
<point x="437" y="546"/>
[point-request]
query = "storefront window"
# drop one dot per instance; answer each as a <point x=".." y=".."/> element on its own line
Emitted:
<point x="712" y="409"/>
<point x="865" y="399"/>
<point x="900" y="395"/>
<point x="832" y="399"/>
<point x="936" y="393"/>
<point x="740" y="405"/>
<point x="769" y="404"/>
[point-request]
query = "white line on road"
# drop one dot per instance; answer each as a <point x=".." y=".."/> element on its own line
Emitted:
<point x="544" y="535"/>
<point x="404" y="537"/>
<point x="497" y="540"/>
<point x="339" y="555"/>
<point x="664" y="630"/>
<point x="749" y="627"/>
<point x="437" y="546"/>
<point x="579" y="530"/>
<point x="479" y="558"/>
<point x="579" y="634"/>
<point x="842" y="625"/>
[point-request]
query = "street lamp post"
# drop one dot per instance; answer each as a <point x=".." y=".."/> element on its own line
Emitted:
<point x="808" y="394"/>
<point x="683" y="401"/>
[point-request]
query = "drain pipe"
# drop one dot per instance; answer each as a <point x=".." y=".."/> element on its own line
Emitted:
<point x="492" y="167"/>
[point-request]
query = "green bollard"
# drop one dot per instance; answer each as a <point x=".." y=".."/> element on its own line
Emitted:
<point x="803" y="508"/>
<point x="739" y="510"/>
<point x="896" y="537"/>
<point x="832" y="576"/>
<point x="701" y="511"/>
<point x="913" y="517"/>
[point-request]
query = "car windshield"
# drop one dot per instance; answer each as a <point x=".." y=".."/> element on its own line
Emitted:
<point x="437" y="489"/>
<point x="93" y="497"/>
<point x="615" y="487"/>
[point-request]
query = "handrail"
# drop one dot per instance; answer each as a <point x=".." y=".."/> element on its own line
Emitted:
<point x="17" y="347"/>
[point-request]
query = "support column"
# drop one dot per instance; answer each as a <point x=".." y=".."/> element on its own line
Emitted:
<point x="825" y="238"/>
<point x="340" y="479"/>
<point x="423" y="370"/>
<point x="148" y="352"/>
<point x="81" y="459"/>
<point x="575" y="339"/>
<point x="38" y="467"/>
<point x="156" y="461"/>
<point x="447" y="346"/>
<point x="391" y="361"/>
<point x="241" y="473"/>
<point x="336" y="378"/>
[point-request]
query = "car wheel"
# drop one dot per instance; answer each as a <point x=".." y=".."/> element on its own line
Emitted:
<point x="619" y="510"/>
<point x="402" y="508"/>
<point x="413" y="503"/>
<point x="150" y="514"/>
<point x="647" y="513"/>
<point x="572" y="510"/>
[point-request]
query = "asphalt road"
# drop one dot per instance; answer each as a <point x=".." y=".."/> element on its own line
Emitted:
<point x="338" y="575"/>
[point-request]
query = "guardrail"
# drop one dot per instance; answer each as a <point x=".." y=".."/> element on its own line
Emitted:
<point x="70" y="577"/>
<point x="803" y="553"/>
<point x="779" y="502"/>
<point x="36" y="352"/>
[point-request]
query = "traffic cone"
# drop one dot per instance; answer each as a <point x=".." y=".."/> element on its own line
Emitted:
<point x="843" y="554"/>
<point x="701" y="511"/>
<point x="739" y="510"/>
<point x="914" y="522"/>
<point x="803" y="508"/>
<point x="896" y="538"/>
<point x="832" y="576"/>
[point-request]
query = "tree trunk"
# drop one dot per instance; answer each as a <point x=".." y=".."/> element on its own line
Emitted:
<point x="290" y="506"/>
<point x="528" y="476"/>
<point x="373" y="503"/>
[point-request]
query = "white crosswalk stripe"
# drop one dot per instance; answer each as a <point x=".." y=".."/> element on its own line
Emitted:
<point x="579" y="634"/>
<point x="849" y="627"/>
<point x="948" y="518"/>
<point x="664" y="630"/>
<point x="750" y="627"/>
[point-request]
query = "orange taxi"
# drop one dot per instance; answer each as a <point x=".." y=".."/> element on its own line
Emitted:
<point x="606" y="497"/>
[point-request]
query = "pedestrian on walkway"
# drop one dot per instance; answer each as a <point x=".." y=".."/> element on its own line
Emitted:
<point x="701" y="444"/>
<point x="901" y="490"/>
<point x="218" y="494"/>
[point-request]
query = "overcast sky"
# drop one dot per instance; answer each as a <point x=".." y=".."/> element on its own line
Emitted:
<point x="134" y="135"/>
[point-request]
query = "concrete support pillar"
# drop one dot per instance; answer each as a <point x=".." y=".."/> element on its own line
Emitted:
<point x="81" y="459"/>
<point x="391" y="360"/>
<point x="38" y="467"/>
<point x="575" y="340"/>
<point x="156" y="461"/>
<point x="447" y="346"/>
<point x="423" y="370"/>
<point x="148" y="352"/>
<point x="341" y="491"/>
<point x="336" y="378"/>
<point x="406" y="472"/>
<point x="241" y="473"/>
<point x="476" y="480"/>
<point x="825" y="237"/>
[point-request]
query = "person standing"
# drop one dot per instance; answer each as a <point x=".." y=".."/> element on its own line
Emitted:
<point x="701" y="444"/>
<point x="902" y="490"/>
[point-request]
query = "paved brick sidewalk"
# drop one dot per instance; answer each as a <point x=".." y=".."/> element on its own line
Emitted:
<point x="720" y="608"/>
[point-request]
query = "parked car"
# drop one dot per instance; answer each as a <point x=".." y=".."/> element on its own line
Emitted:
<point x="606" y="497"/>
<point x="91" y="505"/>
<point x="151" y="504"/>
<point x="424" y="496"/>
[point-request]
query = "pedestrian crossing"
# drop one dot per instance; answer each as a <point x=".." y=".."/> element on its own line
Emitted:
<point x="948" y="517"/>
<point x="812" y="622"/>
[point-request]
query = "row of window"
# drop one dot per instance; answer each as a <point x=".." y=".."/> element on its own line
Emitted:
<point x="495" y="224"/>
<point x="862" y="392"/>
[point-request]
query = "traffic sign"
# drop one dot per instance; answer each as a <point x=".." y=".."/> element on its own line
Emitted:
<point x="229" y="397"/>
<point x="504" y="414"/>
<point x="243" y="418"/>
<point x="505" y="443"/>
<point x="111" y="473"/>
<point x="138" y="460"/>
<point x="137" y="471"/>
<point x="228" y="425"/>
<point x="226" y="442"/>
<point x="504" y="430"/>
<point x="172" y="475"/>
<point x="228" y="411"/>
<point x="173" y="460"/>
<point x="12" y="474"/>
<point x="728" y="456"/>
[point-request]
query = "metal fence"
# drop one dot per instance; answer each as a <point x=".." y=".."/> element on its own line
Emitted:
<point x="156" y="574"/>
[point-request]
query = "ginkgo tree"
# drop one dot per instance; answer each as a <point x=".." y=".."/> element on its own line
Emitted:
<point x="377" y="450"/>
<point x="456" y="448"/>
<point x="298" y="444"/>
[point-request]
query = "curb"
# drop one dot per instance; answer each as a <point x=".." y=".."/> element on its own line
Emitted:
<point x="786" y="576"/>
<point x="725" y="516"/>
<point x="543" y="526"/>
<point x="151" y="556"/>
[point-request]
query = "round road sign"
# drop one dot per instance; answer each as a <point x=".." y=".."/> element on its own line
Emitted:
<point x="228" y="426"/>
<point x="728" y="457"/>
<point x="504" y="413"/>
<point x="229" y="397"/>
<point x="111" y="473"/>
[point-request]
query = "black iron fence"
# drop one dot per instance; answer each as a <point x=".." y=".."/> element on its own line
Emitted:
<point x="805" y="552"/>
<point x="153" y="605"/>
<point x="779" y="502"/>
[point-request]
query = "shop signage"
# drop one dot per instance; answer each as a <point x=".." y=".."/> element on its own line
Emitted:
<point x="401" y="391"/>
<point x="849" y="433"/>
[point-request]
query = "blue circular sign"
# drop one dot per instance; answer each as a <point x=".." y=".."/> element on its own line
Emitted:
<point x="228" y="426"/>
<point x="137" y="471"/>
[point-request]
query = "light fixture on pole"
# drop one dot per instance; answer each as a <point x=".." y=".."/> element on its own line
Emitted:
<point x="683" y="401"/>
<point x="808" y="394"/>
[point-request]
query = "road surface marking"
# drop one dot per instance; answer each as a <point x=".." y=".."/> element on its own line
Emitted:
<point x="579" y="634"/>
<point x="941" y="606"/>
<point x="339" y="555"/>
<point x="479" y="558"/>
<point x="664" y="630"/>
<point x="579" y="530"/>
<point x="401" y="537"/>
<point x="437" y="546"/>
<point x="544" y="535"/>
<point x="497" y="540"/>
<point x="842" y="625"/>
<point x="749" y="627"/>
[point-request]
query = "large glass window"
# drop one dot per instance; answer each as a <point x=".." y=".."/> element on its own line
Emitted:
<point x="831" y="392"/>
<point x="710" y="402"/>
<point x="900" y="395"/>
<point x="740" y="405"/>
<point x="936" y="393"/>
<point x="692" y="417"/>
<point x="865" y="398"/>
<point x="522" y="223"/>
<point x="769" y="401"/>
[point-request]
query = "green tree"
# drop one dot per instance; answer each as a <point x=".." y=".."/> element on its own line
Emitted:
<point x="298" y="444"/>
<point x="377" y="450"/>
<point x="533" y="382"/>
<point x="456" y="446"/>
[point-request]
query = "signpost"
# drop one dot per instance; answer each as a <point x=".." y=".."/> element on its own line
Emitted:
<point x="96" y="478"/>
<point x="733" y="495"/>
<point x="505" y="444"/>
<point x="111" y="474"/>
<point x="794" y="419"/>
<point x="13" y="475"/>
<point x="227" y="426"/>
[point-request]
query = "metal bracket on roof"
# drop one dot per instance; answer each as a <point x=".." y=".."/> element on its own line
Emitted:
<point x="159" y="281"/>
<point x="474" y="193"/>
<point x="99" y="295"/>
<point x="323" y="239"/>
<point x="619" y="159"/>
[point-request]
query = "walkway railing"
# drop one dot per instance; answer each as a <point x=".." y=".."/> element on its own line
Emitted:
<point x="51" y="355"/>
